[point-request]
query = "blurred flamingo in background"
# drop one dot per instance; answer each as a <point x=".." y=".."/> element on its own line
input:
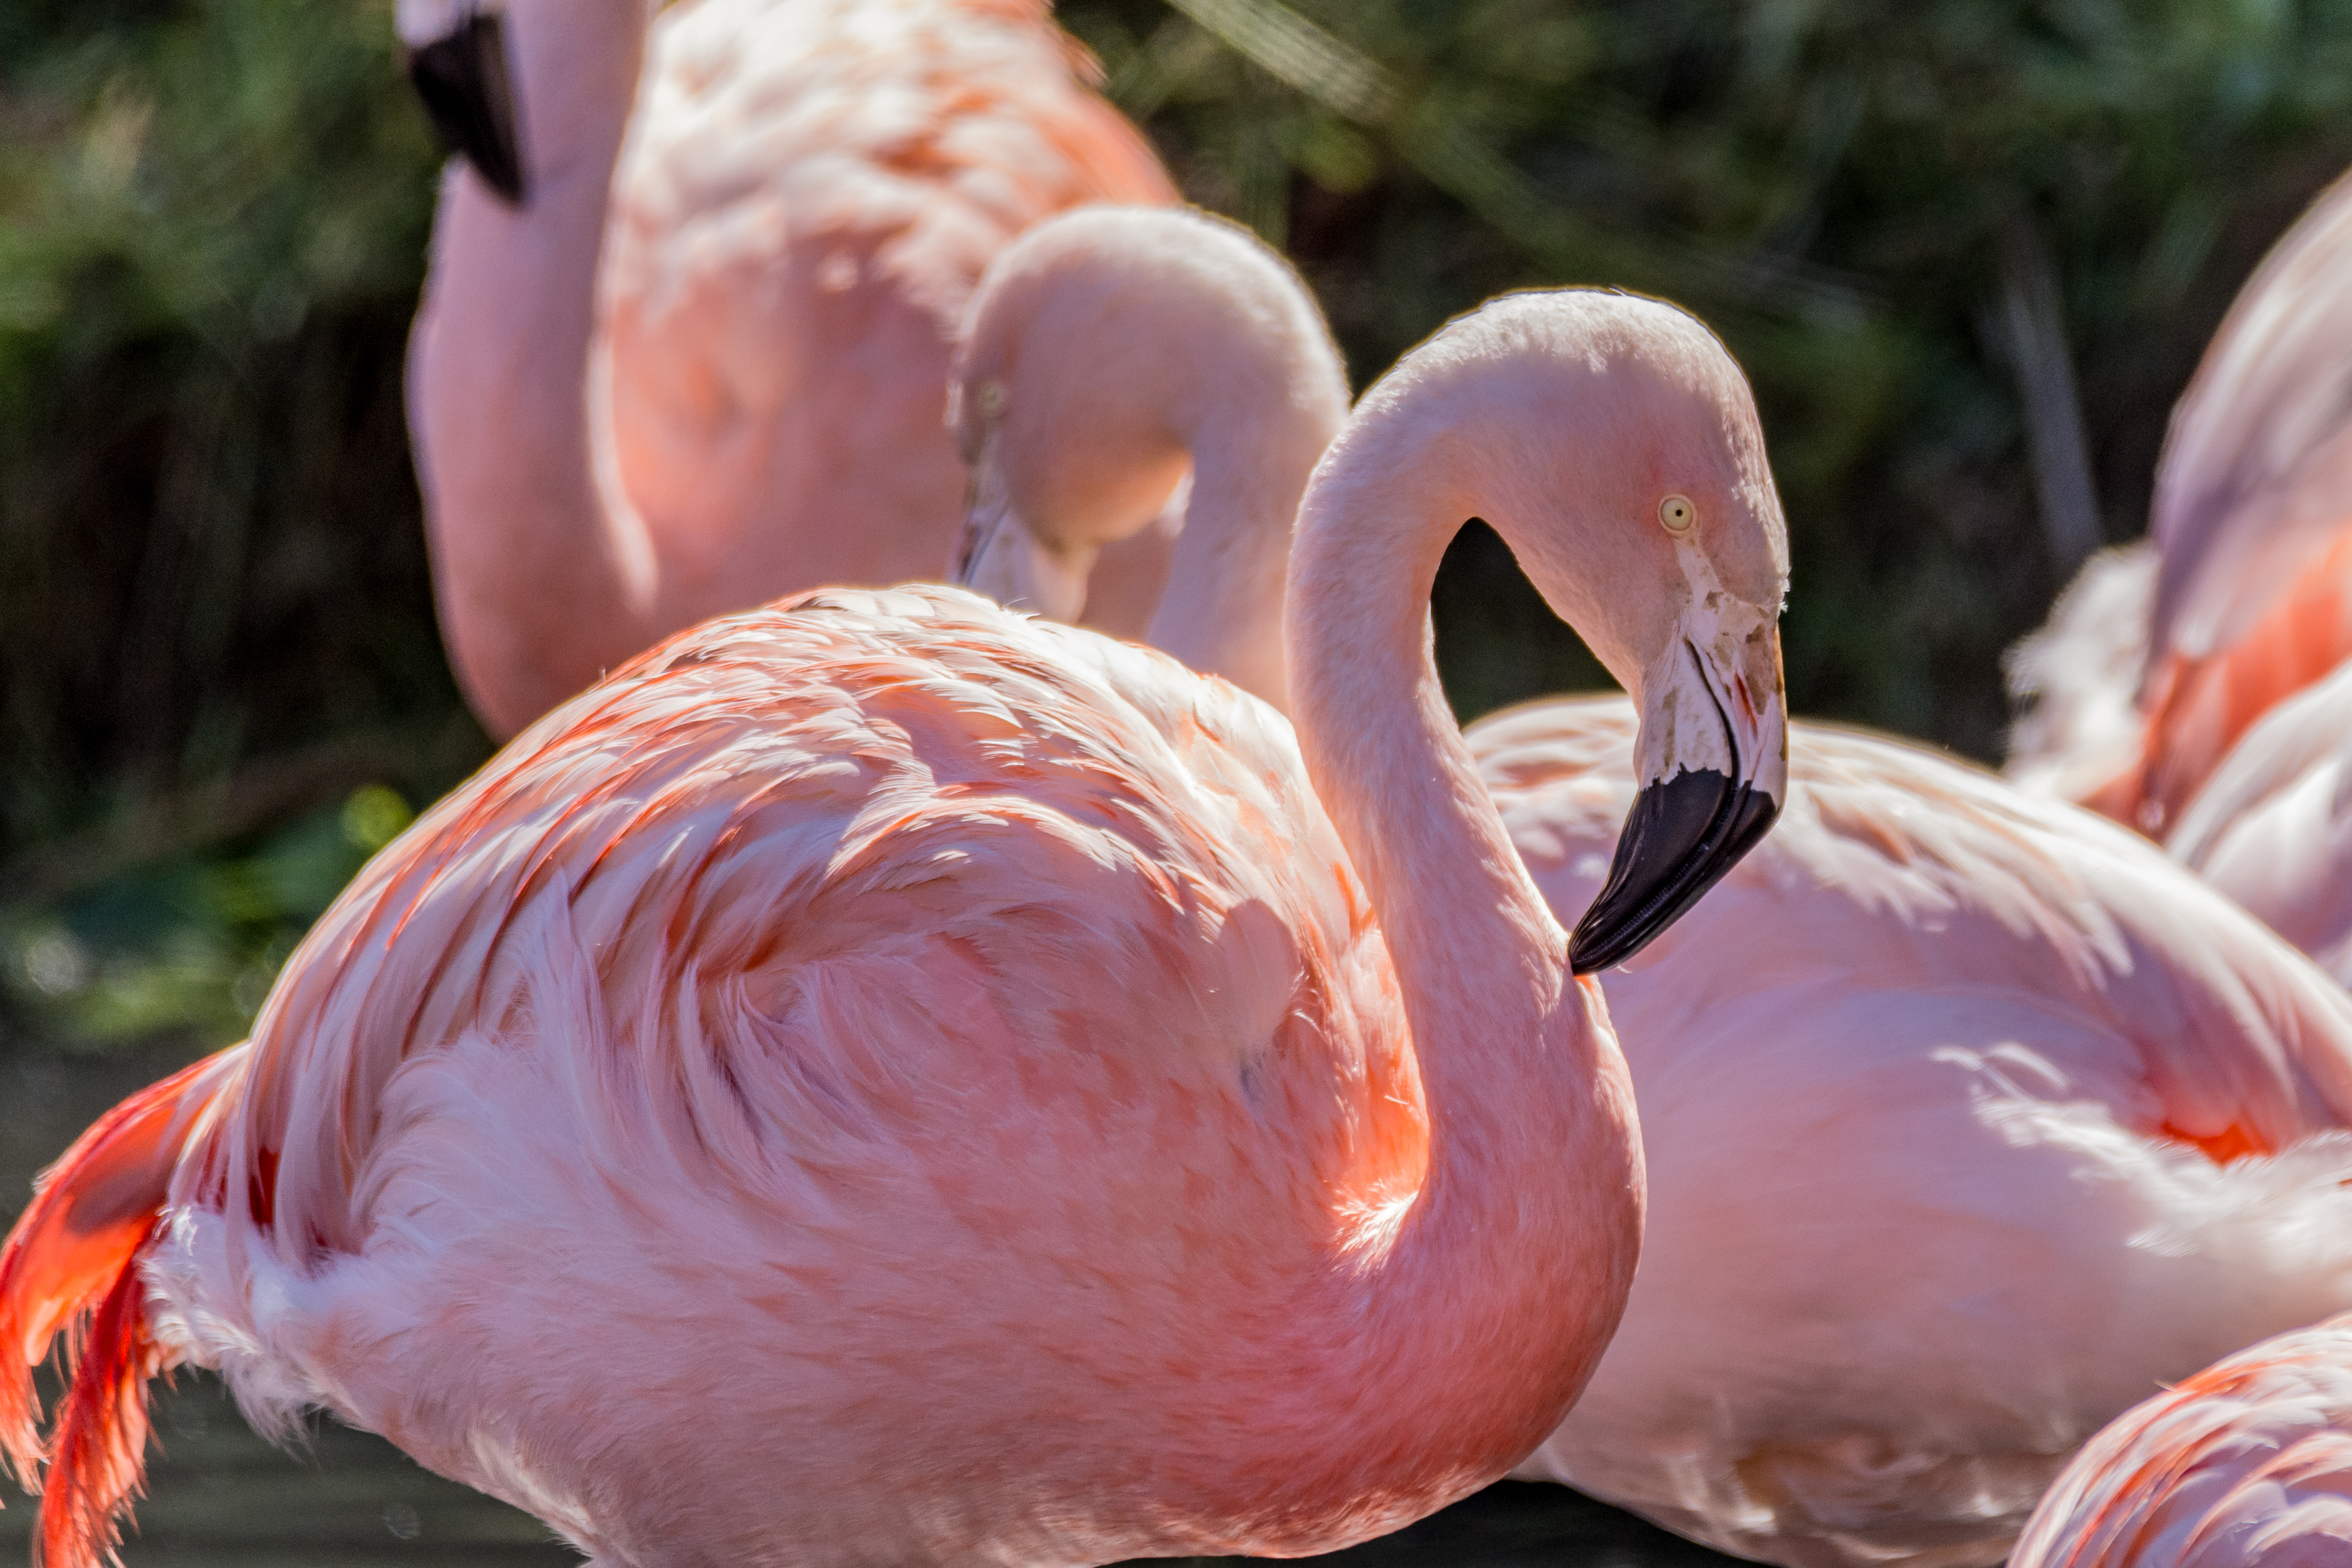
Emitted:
<point x="685" y="343"/>
<point x="2246" y="1465"/>
<point x="2161" y="661"/>
<point x="882" y="1079"/>
<point x="1969" y="1116"/>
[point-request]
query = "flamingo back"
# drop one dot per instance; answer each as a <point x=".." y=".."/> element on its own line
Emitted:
<point x="2272" y="827"/>
<point x="1971" y="1116"/>
<point x="875" y="991"/>
<point x="2248" y="1462"/>
<point x="809" y="192"/>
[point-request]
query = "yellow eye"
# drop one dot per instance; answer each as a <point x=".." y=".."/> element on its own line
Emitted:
<point x="992" y="399"/>
<point x="1677" y="514"/>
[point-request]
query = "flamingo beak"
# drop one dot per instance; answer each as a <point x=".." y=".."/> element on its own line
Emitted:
<point x="1715" y="771"/>
<point x="998" y="557"/>
<point x="463" y="80"/>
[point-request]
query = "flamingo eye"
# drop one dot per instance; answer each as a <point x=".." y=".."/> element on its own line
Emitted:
<point x="1677" y="513"/>
<point x="991" y="396"/>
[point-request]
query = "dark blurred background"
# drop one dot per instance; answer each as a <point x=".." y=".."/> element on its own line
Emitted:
<point x="1969" y="252"/>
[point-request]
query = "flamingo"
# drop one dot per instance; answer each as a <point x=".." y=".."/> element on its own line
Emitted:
<point x="1111" y="355"/>
<point x="685" y="341"/>
<point x="1970" y="1115"/>
<point x="2273" y="826"/>
<point x="2162" y="660"/>
<point x="887" y="1079"/>
<point x="2246" y="1465"/>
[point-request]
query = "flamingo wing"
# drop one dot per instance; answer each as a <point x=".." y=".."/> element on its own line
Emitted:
<point x="809" y="192"/>
<point x="2248" y="1462"/>
<point x="2257" y="467"/>
<point x="2252" y="517"/>
<point x="2272" y="827"/>
<point x="1952" y="1096"/>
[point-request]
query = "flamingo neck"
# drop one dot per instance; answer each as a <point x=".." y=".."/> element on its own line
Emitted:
<point x="1222" y="613"/>
<point x="1504" y="1279"/>
<point x="542" y="572"/>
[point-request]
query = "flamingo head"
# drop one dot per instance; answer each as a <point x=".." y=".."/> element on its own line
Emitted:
<point x="1612" y="440"/>
<point x="1104" y="351"/>
<point x="457" y="62"/>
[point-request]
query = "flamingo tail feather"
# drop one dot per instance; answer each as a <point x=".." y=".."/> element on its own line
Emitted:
<point x="69" y="1271"/>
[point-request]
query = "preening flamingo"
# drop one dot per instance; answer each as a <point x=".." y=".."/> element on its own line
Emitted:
<point x="1969" y="1116"/>
<point x="884" y="1079"/>
<point x="692" y="355"/>
<point x="2161" y="659"/>
<point x="1105" y="352"/>
<point x="2246" y="1465"/>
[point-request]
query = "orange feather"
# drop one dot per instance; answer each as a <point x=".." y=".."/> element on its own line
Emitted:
<point x="70" y="1266"/>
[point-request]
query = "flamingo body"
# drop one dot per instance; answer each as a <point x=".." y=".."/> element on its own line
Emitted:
<point x="809" y="192"/>
<point x="2272" y="827"/>
<point x="1998" y="1120"/>
<point x="884" y="1079"/>
<point x="2246" y="1465"/>
<point x="2246" y="602"/>
<point x="628" y="1048"/>
<point x="704" y="364"/>
<point x="879" y="1080"/>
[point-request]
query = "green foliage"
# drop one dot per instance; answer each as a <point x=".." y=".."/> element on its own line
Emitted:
<point x="189" y="943"/>
<point x="214" y="615"/>
<point x="212" y="222"/>
<point x="215" y="618"/>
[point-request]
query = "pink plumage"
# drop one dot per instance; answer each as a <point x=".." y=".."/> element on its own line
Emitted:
<point x="2246" y="1465"/>
<point x="2160" y="663"/>
<point x="1971" y="1116"/>
<point x="1997" y="1119"/>
<point x="884" y="1079"/>
<point x="703" y="364"/>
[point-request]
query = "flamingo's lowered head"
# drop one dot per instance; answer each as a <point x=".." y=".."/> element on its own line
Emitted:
<point x="1106" y="351"/>
<point x="457" y="61"/>
<point x="1614" y="443"/>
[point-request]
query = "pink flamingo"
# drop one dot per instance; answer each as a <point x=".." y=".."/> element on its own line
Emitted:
<point x="1969" y="1116"/>
<point x="677" y="362"/>
<point x="2162" y="660"/>
<point x="1999" y="1119"/>
<point x="1222" y="369"/>
<point x="884" y="1078"/>
<point x="2246" y="1465"/>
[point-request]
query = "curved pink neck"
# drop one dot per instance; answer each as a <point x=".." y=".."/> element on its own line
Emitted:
<point x="1507" y="1276"/>
<point x="543" y="573"/>
<point x="1221" y="611"/>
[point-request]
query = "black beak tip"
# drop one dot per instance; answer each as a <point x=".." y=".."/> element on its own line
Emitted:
<point x="464" y="84"/>
<point x="1682" y="836"/>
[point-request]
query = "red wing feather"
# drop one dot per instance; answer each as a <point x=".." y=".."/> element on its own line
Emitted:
<point x="71" y="1265"/>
